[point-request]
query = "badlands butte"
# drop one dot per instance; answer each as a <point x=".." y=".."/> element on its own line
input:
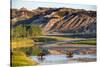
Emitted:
<point x="60" y="20"/>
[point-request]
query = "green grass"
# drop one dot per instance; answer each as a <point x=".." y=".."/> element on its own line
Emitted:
<point x="91" y="41"/>
<point x="59" y="38"/>
<point x="33" y="50"/>
<point x="25" y="45"/>
<point x="20" y="59"/>
<point x="36" y="50"/>
<point x="21" y="42"/>
<point x="44" y="39"/>
<point x="22" y="48"/>
<point x="55" y="38"/>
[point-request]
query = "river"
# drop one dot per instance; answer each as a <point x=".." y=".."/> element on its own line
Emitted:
<point x="63" y="59"/>
<point x="63" y="46"/>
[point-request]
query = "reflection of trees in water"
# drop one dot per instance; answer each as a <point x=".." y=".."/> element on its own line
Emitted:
<point x="41" y="59"/>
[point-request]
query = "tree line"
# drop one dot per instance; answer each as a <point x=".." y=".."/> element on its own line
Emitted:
<point x="26" y="31"/>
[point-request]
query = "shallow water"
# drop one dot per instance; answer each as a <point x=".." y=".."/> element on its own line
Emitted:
<point x="61" y="59"/>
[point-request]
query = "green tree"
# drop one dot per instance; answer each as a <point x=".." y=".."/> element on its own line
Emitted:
<point x="26" y="31"/>
<point x="36" y="30"/>
<point x="19" y="31"/>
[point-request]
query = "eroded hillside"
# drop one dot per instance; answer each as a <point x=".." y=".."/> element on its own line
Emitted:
<point x="56" y="19"/>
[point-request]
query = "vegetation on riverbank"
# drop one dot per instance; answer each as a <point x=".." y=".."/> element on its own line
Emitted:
<point x="22" y="44"/>
<point x="64" y="38"/>
<point x="26" y="31"/>
<point x="52" y="38"/>
<point x="91" y="41"/>
<point x="19" y="58"/>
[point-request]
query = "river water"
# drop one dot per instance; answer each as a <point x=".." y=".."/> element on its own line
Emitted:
<point x="61" y="59"/>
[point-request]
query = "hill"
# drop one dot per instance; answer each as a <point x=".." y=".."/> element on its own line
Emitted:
<point x="61" y="20"/>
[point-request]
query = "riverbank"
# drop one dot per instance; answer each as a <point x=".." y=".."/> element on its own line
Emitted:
<point x="88" y="41"/>
<point x="55" y="45"/>
<point x="19" y="58"/>
<point x="21" y="42"/>
<point x="19" y="52"/>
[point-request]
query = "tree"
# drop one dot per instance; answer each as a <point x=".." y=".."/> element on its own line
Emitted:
<point x="36" y="30"/>
<point x="19" y="31"/>
<point x="26" y="31"/>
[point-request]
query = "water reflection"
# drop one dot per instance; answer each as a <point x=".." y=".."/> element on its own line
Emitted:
<point x="41" y="59"/>
<point x="61" y="59"/>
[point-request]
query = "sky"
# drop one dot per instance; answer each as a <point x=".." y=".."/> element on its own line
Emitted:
<point x="33" y="5"/>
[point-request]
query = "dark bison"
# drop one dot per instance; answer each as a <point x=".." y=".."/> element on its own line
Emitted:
<point x="41" y="54"/>
<point x="69" y="54"/>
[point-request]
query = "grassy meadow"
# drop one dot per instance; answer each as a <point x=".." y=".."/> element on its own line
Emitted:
<point x="90" y="41"/>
